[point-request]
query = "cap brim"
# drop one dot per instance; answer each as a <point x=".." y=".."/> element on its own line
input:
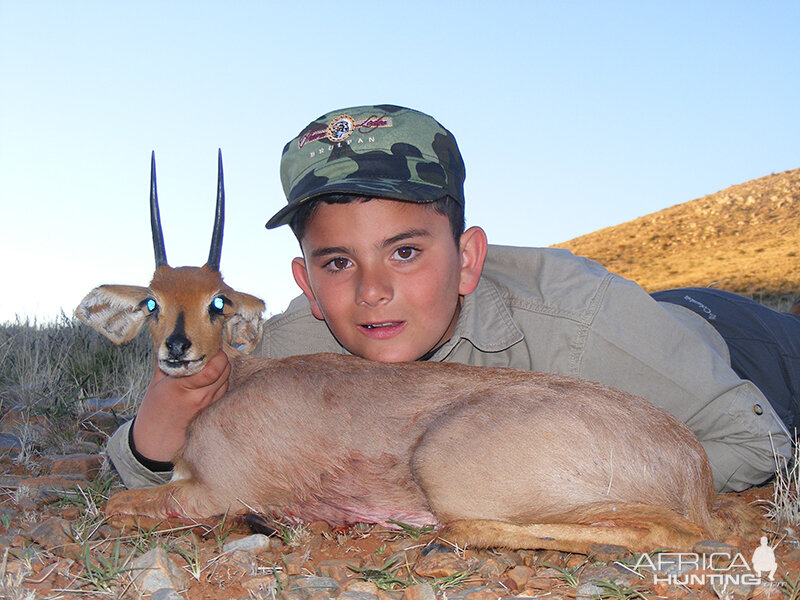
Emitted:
<point x="409" y="191"/>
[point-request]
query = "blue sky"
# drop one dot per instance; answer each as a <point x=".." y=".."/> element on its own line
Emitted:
<point x="571" y="116"/>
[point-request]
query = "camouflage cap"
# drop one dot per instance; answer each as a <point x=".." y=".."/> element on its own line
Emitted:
<point x="381" y="151"/>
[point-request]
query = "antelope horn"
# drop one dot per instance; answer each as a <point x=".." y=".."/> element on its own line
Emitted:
<point x="155" y="217"/>
<point x="219" y="221"/>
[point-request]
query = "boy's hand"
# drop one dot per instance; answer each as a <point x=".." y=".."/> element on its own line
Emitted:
<point x="171" y="403"/>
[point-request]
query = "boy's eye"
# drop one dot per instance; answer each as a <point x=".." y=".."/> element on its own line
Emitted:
<point x="406" y="253"/>
<point x="339" y="263"/>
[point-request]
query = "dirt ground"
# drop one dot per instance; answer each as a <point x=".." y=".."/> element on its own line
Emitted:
<point x="57" y="544"/>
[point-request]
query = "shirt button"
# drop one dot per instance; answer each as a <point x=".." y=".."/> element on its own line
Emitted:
<point x="757" y="409"/>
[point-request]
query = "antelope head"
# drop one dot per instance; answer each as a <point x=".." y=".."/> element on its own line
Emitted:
<point x="190" y="310"/>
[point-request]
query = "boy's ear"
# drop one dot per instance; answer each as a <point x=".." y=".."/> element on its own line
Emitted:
<point x="243" y="329"/>
<point x="472" y="248"/>
<point x="115" y="311"/>
<point x="301" y="278"/>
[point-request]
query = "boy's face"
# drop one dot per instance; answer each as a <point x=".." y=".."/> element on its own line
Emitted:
<point x="387" y="276"/>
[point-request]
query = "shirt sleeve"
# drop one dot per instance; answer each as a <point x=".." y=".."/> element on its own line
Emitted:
<point x="133" y="473"/>
<point x="634" y="344"/>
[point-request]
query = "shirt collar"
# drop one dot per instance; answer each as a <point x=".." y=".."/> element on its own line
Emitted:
<point x="484" y="321"/>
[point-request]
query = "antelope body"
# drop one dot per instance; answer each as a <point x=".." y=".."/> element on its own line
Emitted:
<point x="499" y="457"/>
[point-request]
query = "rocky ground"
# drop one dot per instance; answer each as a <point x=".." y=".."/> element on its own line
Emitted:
<point x="57" y="543"/>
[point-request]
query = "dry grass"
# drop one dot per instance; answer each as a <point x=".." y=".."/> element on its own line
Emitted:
<point x="745" y="239"/>
<point x="49" y="370"/>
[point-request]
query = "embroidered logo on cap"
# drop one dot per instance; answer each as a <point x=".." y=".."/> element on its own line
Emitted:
<point x="340" y="128"/>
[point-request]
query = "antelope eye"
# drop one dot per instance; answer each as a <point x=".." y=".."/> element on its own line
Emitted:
<point x="150" y="305"/>
<point x="217" y="304"/>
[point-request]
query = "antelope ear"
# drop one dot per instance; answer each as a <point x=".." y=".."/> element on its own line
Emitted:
<point x="116" y="311"/>
<point x="243" y="328"/>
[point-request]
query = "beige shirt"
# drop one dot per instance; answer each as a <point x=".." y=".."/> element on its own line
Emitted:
<point x="547" y="310"/>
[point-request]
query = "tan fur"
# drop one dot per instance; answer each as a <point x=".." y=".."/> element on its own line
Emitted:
<point x="498" y="456"/>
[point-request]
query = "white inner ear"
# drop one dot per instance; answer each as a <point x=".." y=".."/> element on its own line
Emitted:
<point x="244" y="331"/>
<point x="114" y="311"/>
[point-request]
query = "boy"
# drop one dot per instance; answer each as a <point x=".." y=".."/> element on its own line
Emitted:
<point x="375" y="198"/>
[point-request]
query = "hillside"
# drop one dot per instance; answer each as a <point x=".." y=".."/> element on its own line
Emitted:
<point x="745" y="238"/>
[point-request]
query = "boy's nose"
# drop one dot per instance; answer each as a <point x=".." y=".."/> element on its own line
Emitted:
<point x="374" y="288"/>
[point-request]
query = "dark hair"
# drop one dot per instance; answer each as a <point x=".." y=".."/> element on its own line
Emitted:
<point x="446" y="206"/>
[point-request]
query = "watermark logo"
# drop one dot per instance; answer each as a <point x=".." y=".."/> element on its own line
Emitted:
<point x="719" y="569"/>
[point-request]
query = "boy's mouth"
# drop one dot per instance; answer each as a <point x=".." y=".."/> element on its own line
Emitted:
<point x="382" y="330"/>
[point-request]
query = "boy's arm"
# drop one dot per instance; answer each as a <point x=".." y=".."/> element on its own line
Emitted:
<point x="159" y="429"/>
<point x="635" y="344"/>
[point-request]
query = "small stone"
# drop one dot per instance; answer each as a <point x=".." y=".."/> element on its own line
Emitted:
<point x="117" y="405"/>
<point x="47" y="489"/>
<point x="70" y="513"/>
<point x="294" y="563"/>
<point x="519" y="576"/>
<point x="507" y="557"/>
<point x="432" y="547"/>
<point x="588" y="591"/>
<point x="491" y="568"/>
<point x="420" y="591"/>
<point x="550" y="558"/>
<point x="723" y="553"/>
<point x="312" y="584"/>
<point x="10" y="444"/>
<point x="54" y="535"/>
<point x="526" y="557"/>
<point x="102" y="422"/>
<point x="87" y="465"/>
<point x="155" y="570"/>
<point x="340" y="569"/>
<point x="667" y="564"/>
<point x="355" y="595"/>
<point x="592" y="575"/>
<point x="438" y="564"/>
<point x="258" y="542"/>
<point x="166" y="594"/>
<point x="320" y="528"/>
<point x="608" y="552"/>
<point x="540" y="584"/>
<point x="481" y="592"/>
<point x="358" y="585"/>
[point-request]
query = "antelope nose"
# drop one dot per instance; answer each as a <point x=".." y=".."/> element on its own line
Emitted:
<point x="177" y="344"/>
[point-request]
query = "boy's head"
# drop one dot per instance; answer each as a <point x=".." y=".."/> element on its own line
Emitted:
<point x="376" y="199"/>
